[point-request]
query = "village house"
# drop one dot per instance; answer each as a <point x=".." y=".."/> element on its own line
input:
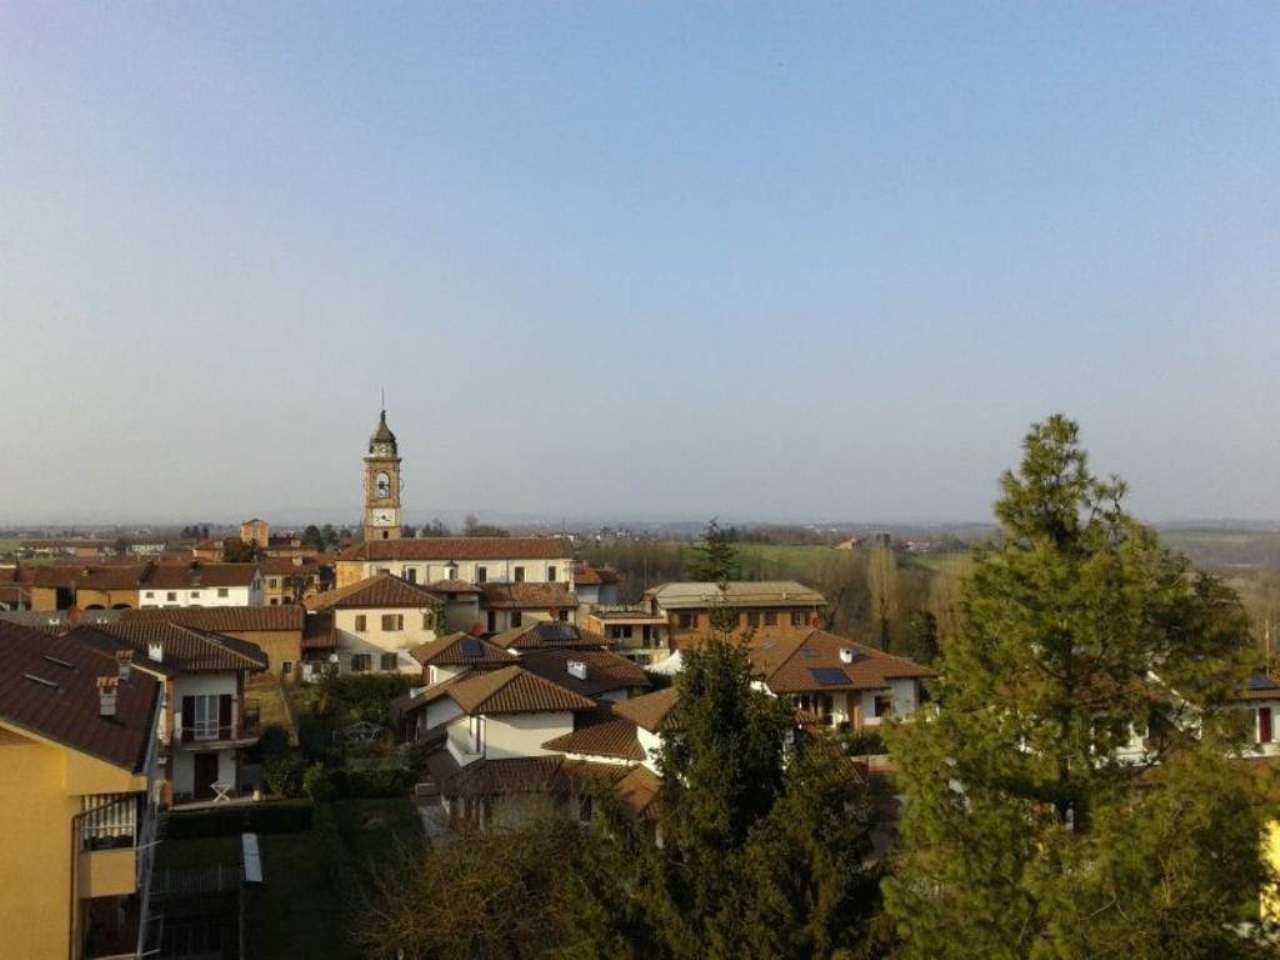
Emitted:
<point x="509" y="606"/>
<point x="206" y="720"/>
<point x="375" y="622"/>
<point x="78" y="798"/>
<point x="200" y="585"/>
<point x="784" y="605"/>
<point x="635" y="632"/>
<point x="594" y="586"/>
<point x="288" y="580"/>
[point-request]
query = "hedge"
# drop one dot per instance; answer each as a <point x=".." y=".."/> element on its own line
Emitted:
<point x="372" y="783"/>
<point x="269" y="816"/>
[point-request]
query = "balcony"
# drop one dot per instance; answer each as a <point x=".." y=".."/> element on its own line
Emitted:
<point x="243" y="729"/>
<point x="116" y="839"/>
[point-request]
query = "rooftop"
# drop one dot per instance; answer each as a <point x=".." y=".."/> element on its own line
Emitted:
<point x="738" y="593"/>
<point x="460" y="548"/>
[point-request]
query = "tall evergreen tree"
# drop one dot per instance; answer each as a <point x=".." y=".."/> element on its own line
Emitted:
<point x="1026" y="832"/>
<point x="714" y="557"/>
<point x="758" y="857"/>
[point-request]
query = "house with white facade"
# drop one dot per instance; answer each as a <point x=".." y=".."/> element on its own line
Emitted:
<point x="374" y="623"/>
<point x="206" y="722"/>
<point x="200" y="584"/>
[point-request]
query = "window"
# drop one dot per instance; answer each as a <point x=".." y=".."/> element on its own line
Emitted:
<point x="286" y="668"/>
<point x="771" y="618"/>
<point x="412" y="574"/>
<point x="493" y="622"/>
<point x="151" y="595"/>
<point x="482" y="574"/>
<point x="223" y="592"/>
<point x="551" y="574"/>
<point x="620" y="632"/>
<point x="195" y="594"/>
<point x="360" y="662"/>
<point x="753" y="619"/>
<point x="564" y="616"/>
<point x="426" y="620"/>
<point x="392" y="622"/>
<point x="519" y="574"/>
<point x="203" y="714"/>
<point x="797" y="618"/>
<point x="390" y="661"/>
<point x="275" y="601"/>
<point x="1264" y="724"/>
<point x="517" y="619"/>
<point x="883" y="705"/>
<point x="273" y="583"/>
<point x="171" y="595"/>
<point x="687" y="620"/>
<point x="361" y="624"/>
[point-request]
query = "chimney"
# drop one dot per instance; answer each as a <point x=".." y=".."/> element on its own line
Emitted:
<point x="155" y="651"/>
<point x="124" y="664"/>
<point x="846" y="654"/>
<point x="107" y="696"/>
<point x="576" y="668"/>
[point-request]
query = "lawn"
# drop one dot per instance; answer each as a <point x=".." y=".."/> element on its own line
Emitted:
<point x="781" y="561"/>
<point x="273" y="708"/>
<point x="377" y="832"/>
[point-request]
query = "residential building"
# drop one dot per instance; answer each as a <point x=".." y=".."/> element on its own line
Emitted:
<point x="78" y="762"/>
<point x="594" y="586"/>
<point x="15" y="587"/>
<point x="207" y="721"/>
<point x="294" y="579"/>
<point x="548" y="635"/>
<point x="448" y="657"/>
<point x="599" y="675"/>
<point x="199" y="584"/>
<point x="784" y="605"/>
<point x="276" y="631"/>
<point x="834" y="681"/>
<point x="256" y="532"/>
<point x="633" y="629"/>
<point x="1261" y="696"/>
<point x="509" y="606"/>
<point x="377" y="621"/>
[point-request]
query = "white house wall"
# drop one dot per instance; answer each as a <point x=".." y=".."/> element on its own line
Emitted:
<point x="512" y="735"/>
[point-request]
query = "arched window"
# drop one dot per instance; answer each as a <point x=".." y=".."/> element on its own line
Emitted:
<point x="382" y="486"/>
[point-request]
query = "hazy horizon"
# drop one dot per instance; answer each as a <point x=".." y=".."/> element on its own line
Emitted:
<point x="775" y="263"/>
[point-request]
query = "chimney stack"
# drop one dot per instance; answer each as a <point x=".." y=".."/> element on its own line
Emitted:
<point x="846" y="654"/>
<point x="107" y="687"/>
<point x="124" y="664"/>
<point x="155" y="650"/>
<point x="577" y="668"/>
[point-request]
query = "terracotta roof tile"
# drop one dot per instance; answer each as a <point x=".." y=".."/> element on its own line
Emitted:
<point x="514" y="690"/>
<point x="648" y="711"/>
<point x="318" y="634"/>
<point x="527" y="596"/>
<point x="606" y="671"/>
<point x="380" y="590"/>
<point x="286" y="617"/>
<point x="588" y="576"/>
<point x="184" y="648"/>
<point x="457" y="650"/>
<point x="549" y="633"/>
<point x="453" y="587"/>
<point x="608" y="736"/>
<point x="65" y="706"/>
<point x="788" y="662"/>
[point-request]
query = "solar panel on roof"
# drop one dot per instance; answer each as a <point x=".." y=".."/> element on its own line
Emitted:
<point x="829" y="676"/>
<point x="470" y="647"/>
<point x="559" y="631"/>
<point x="1260" y="681"/>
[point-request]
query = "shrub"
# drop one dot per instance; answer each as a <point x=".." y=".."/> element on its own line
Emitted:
<point x="272" y="816"/>
<point x="864" y="743"/>
<point x="375" y="782"/>
<point x="316" y="782"/>
<point x="273" y="745"/>
<point x="284" y="776"/>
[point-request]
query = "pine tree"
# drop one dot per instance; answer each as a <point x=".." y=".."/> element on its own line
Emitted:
<point x="714" y="558"/>
<point x="1026" y="834"/>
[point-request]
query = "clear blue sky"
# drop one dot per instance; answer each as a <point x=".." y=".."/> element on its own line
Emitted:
<point x="766" y="261"/>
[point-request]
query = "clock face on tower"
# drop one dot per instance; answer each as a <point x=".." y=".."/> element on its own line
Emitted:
<point x="383" y="518"/>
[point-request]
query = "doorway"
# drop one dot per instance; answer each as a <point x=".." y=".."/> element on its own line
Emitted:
<point x="206" y="773"/>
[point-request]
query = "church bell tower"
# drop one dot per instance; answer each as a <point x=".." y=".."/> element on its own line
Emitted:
<point x="382" y="485"/>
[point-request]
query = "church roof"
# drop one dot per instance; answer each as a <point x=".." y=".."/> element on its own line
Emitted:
<point x="383" y="433"/>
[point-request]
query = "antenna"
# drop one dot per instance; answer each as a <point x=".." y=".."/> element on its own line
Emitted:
<point x="383" y="392"/>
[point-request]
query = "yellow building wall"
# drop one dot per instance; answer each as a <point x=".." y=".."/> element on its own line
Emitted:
<point x="40" y="788"/>
<point x="1270" y="906"/>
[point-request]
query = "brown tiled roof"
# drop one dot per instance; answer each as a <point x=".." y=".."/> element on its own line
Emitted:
<point x="514" y="690"/>
<point x="605" y="671"/>
<point x="453" y="586"/>
<point x="638" y="791"/>
<point x="198" y="575"/>
<point x="460" y="548"/>
<point x="185" y="648"/>
<point x="648" y="711"/>
<point x="736" y="594"/>
<point x="380" y="590"/>
<point x="588" y="576"/>
<point x="285" y="567"/>
<point x="527" y="596"/>
<point x="79" y="576"/>
<point x="285" y="617"/>
<point x="788" y="662"/>
<point x="554" y="775"/>
<point x="318" y="634"/>
<point x="549" y="633"/>
<point x="608" y="736"/>
<point x="456" y="650"/>
<point x="1260" y="687"/>
<point x="65" y="708"/>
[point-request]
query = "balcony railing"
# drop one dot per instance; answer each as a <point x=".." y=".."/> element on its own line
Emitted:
<point x="245" y="724"/>
<point x="111" y="820"/>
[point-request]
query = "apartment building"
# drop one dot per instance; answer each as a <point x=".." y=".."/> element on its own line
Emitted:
<point x="783" y="605"/>
<point x="78" y="778"/>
